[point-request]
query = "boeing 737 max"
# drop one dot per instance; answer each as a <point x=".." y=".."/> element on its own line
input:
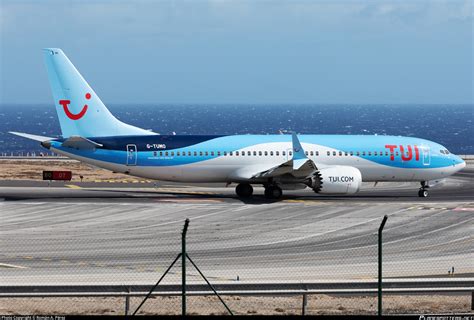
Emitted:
<point x="328" y="164"/>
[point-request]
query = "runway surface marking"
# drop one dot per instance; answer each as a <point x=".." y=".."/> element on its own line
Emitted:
<point x="464" y="209"/>
<point x="72" y="186"/>
<point x="13" y="266"/>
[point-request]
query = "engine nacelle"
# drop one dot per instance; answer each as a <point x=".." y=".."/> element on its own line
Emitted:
<point x="336" y="180"/>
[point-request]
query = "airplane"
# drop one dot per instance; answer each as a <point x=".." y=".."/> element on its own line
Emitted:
<point x="328" y="164"/>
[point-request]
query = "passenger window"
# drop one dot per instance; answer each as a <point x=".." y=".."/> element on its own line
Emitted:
<point x="271" y="153"/>
<point x="290" y="153"/>
<point x="352" y="153"/>
<point x="166" y="153"/>
<point x="312" y="153"/>
<point x="363" y="153"/>
<point x="358" y="153"/>
<point x="225" y="153"/>
<point x="249" y="153"/>
<point x="230" y="153"/>
<point x="346" y="154"/>
<point x="206" y="153"/>
<point x="236" y="153"/>
<point x="283" y="153"/>
<point x="218" y="153"/>
<point x="255" y="153"/>
<point x="243" y="153"/>
<point x="306" y="153"/>
<point x="340" y="153"/>
<point x="329" y="153"/>
<point x="334" y="153"/>
<point x="155" y="153"/>
<point x="212" y="153"/>
<point x="161" y="153"/>
<point x="177" y="153"/>
<point x="260" y="153"/>
<point x="200" y="153"/>
<point x="370" y="153"/>
<point x="317" y="153"/>
<point x="277" y="153"/>
<point x="266" y="153"/>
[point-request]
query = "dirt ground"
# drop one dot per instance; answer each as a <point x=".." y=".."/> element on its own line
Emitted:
<point x="317" y="304"/>
<point x="15" y="169"/>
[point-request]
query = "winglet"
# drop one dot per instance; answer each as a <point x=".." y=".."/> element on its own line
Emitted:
<point x="298" y="152"/>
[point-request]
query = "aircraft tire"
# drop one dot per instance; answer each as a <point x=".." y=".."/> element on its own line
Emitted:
<point x="273" y="192"/>
<point x="244" y="190"/>
<point x="423" y="193"/>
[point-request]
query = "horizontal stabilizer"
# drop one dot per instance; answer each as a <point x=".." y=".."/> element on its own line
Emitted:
<point x="80" y="143"/>
<point x="32" y="136"/>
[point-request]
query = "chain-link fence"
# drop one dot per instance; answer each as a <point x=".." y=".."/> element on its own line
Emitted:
<point x="103" y="242"/>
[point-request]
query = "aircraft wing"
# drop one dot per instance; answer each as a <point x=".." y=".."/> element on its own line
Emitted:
<point x="299" y="166"/>
<point x="286" y="167"/>
<point x="31" y="136"/>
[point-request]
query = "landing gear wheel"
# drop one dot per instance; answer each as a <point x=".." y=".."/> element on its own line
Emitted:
<point x="244" y="190"/>
<point x="273" y="192"/>
<point x="423" y="193"/>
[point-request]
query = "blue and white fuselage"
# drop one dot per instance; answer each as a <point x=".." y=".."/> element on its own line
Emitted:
<point x="332" y="164"/>
<point x="236" y="158"/>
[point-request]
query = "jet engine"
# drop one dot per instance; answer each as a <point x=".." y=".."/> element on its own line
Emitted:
<point x="336" y="180"/>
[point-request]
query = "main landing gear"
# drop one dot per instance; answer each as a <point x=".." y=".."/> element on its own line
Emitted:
<point x="273" y="192"/>
<point x="245" y="190"/>
<point x="423" y="192"/>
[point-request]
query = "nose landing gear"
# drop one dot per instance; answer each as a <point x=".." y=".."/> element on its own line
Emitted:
<point x="423" y="192"/>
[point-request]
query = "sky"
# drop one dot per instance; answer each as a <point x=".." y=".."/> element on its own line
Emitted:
<point x="249" y="52"/>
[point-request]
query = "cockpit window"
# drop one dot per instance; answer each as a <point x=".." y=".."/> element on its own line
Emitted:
<point x="444" y="151"/>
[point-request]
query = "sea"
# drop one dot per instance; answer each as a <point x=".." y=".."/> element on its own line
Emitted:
<point x="449" y="125"/>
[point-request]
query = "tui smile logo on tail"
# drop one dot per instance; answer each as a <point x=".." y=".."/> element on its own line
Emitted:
<point x="69" y="114"/>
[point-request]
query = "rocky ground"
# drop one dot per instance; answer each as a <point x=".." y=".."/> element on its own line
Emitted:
<point x="317" y="304"/>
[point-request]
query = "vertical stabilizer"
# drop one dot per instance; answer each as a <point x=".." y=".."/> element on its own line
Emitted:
<point x="80" y="110"/>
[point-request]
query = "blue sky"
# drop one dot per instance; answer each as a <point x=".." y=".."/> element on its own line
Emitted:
<point x="260" y="52"/>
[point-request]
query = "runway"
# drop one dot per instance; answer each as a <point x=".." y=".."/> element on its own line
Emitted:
<point x="113" y="233"/>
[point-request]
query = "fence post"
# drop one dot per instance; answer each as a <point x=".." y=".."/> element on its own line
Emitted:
<point x="380" y="266"/>
<point x="183" y="268"/>
<point x="127" y="302"/>
<point x="305" y="303"/>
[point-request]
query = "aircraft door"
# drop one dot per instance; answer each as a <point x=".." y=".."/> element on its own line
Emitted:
<point x="425" y="150"/>
<point x="131" y="155"/>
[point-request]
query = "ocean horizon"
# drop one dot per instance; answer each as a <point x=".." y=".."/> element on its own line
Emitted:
<point x="449" y="125"/>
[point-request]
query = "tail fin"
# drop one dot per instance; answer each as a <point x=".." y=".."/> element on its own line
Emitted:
<point x="80" y="110"/>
